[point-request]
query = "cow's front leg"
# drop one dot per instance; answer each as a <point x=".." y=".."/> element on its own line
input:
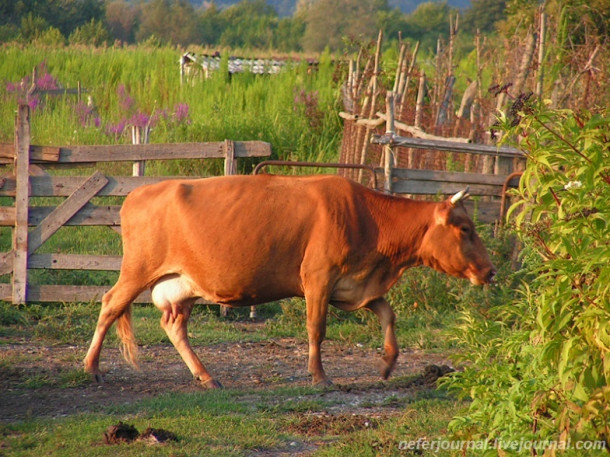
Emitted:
<point x="174" y="322"/>
<point x="387" y="319"/>
<point x="317" y="308"/>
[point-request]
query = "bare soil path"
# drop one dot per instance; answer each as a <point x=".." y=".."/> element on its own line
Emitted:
<point x="35" y="380"/>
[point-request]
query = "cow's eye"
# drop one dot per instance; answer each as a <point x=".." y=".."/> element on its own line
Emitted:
<point x="465" y="230"/>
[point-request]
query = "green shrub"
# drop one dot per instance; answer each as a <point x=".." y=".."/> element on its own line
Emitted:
<point x="539" y="369"/>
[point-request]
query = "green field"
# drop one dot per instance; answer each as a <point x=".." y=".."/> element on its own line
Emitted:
<point x="531" y="351"/>
<point x="296" y="111"/>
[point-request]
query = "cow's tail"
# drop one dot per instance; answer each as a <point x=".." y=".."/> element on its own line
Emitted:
<point x="124" y="329"/>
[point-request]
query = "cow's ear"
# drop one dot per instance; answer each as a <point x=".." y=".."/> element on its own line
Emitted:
<point x="442" y="212"/>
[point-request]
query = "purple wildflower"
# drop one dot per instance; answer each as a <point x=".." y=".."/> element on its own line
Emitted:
<point x="82" y="111"/>
<point x="34" y="102"/>
<point x="47" y="82"/>
<point x="116" y="130"/>
<point x="21" y="86"/>
<point x="139" y="119"/>
<point x="181" y="113"/>
<point x="125" y="100"/>
<point x="157" y="115"/>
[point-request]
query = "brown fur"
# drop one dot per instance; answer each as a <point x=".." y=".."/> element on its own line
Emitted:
<point x="245" y="240"/>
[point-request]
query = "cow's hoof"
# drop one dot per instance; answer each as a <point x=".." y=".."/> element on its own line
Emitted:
<point x="388" y="363"/>
<point x="324" y="382"/>
<point x="386" y="370"/>
<point x="211" y="384"/>
<point x="97" y="377"/>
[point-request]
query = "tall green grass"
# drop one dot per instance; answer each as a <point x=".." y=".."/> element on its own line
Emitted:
<point x="295" y="111"/>
<point x="243" y="107"/>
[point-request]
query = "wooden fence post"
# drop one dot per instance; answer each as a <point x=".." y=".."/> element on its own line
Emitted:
<point x="388" y="149"/>
<point x="231" y="169"/>
<point x="22" y="197"/>
<point x="136" y="138"/>
<point x="230" y="160"/>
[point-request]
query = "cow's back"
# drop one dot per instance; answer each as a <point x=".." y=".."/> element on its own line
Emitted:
<point x="242" y="239"/>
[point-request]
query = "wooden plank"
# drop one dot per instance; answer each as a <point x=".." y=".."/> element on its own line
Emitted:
<point x="133" y="152"/>
<point x="6" y="293"/>
<point x="87" y="216"/>
<point x="6" y="262"/>
<point x="450" y="176"/>
<point x="75" y="262"/>
<point x="64" y="262"/>
<point x="67" y="91"/>
<point x="69" y="294"/>
<point x="37" y="153"/>
<point x="444" y="188"/>
<point x="20" y="233"/>
<point x="483" y="212"/>
<point x="438" y="145"/>
<point x="64" y="212"/>
<point x="63" y="186"/>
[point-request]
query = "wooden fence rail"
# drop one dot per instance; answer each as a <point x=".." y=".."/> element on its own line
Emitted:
<point x="491" y="187"/>
<point x="32" y="226"/>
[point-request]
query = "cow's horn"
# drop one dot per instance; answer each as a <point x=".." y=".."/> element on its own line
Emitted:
<point x="461" y="195"/>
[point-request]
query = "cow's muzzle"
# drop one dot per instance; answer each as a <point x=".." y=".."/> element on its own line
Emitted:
<point x="486" y="277"/>
<point x="491" y="276"/>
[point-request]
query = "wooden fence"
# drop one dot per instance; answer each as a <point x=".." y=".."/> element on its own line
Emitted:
<point x="30" y="177"/>
<point x="502" y="170"/>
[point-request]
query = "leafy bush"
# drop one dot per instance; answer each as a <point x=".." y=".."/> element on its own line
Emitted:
<point x="540" y="369"/>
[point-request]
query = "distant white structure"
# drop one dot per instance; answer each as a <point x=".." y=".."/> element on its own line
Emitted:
<point x="192" y="64"/>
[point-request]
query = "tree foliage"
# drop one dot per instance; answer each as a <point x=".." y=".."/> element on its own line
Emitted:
<point x="483" y="15"/>
<point x="92" y="33"/>
<point x="327" y="22"/>
<point x="541" y="367"/>
<point x="253" y="24"/>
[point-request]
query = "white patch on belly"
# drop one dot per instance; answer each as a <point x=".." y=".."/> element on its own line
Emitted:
<point x="172" y="289"/>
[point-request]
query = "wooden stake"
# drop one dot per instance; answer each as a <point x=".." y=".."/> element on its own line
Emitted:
<point x="367" y="132"/>
<point x="541" y="46"/>
<point x="400" y="73"/>
<point x="404" y="89"/>
<point x="136" y="138"/>
<point x="387" y="149"/>
<point x="22" y="198"/>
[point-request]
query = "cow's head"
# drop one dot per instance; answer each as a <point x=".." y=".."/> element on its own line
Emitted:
<point x="451" y="244"/>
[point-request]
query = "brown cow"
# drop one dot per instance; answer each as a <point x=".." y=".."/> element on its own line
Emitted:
<point x="246" y="240"/>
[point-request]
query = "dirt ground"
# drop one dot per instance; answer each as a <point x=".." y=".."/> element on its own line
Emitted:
<point x="33" y="378"/>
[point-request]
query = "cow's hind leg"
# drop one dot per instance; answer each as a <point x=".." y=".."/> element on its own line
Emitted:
<point x="174" y="321"/>
<point x="387" y="319"/>
<point x="115" y="305"/>
<point x="317" y="308"/>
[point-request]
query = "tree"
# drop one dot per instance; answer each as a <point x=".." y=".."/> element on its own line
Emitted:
<point x="250" y="24"/>
<point x="65" y="15"/>
<point x="210" y="25"/>
<point x="32" y="26"/>
<point x="289" y="34"/>
<point x="169" y="21"/>
<point x="483" y="15"/>
<point x="327" y="22"/>
<point x="122" y="19"/>
<point x="429" y="21"/>
<point x="92" y="33"/>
